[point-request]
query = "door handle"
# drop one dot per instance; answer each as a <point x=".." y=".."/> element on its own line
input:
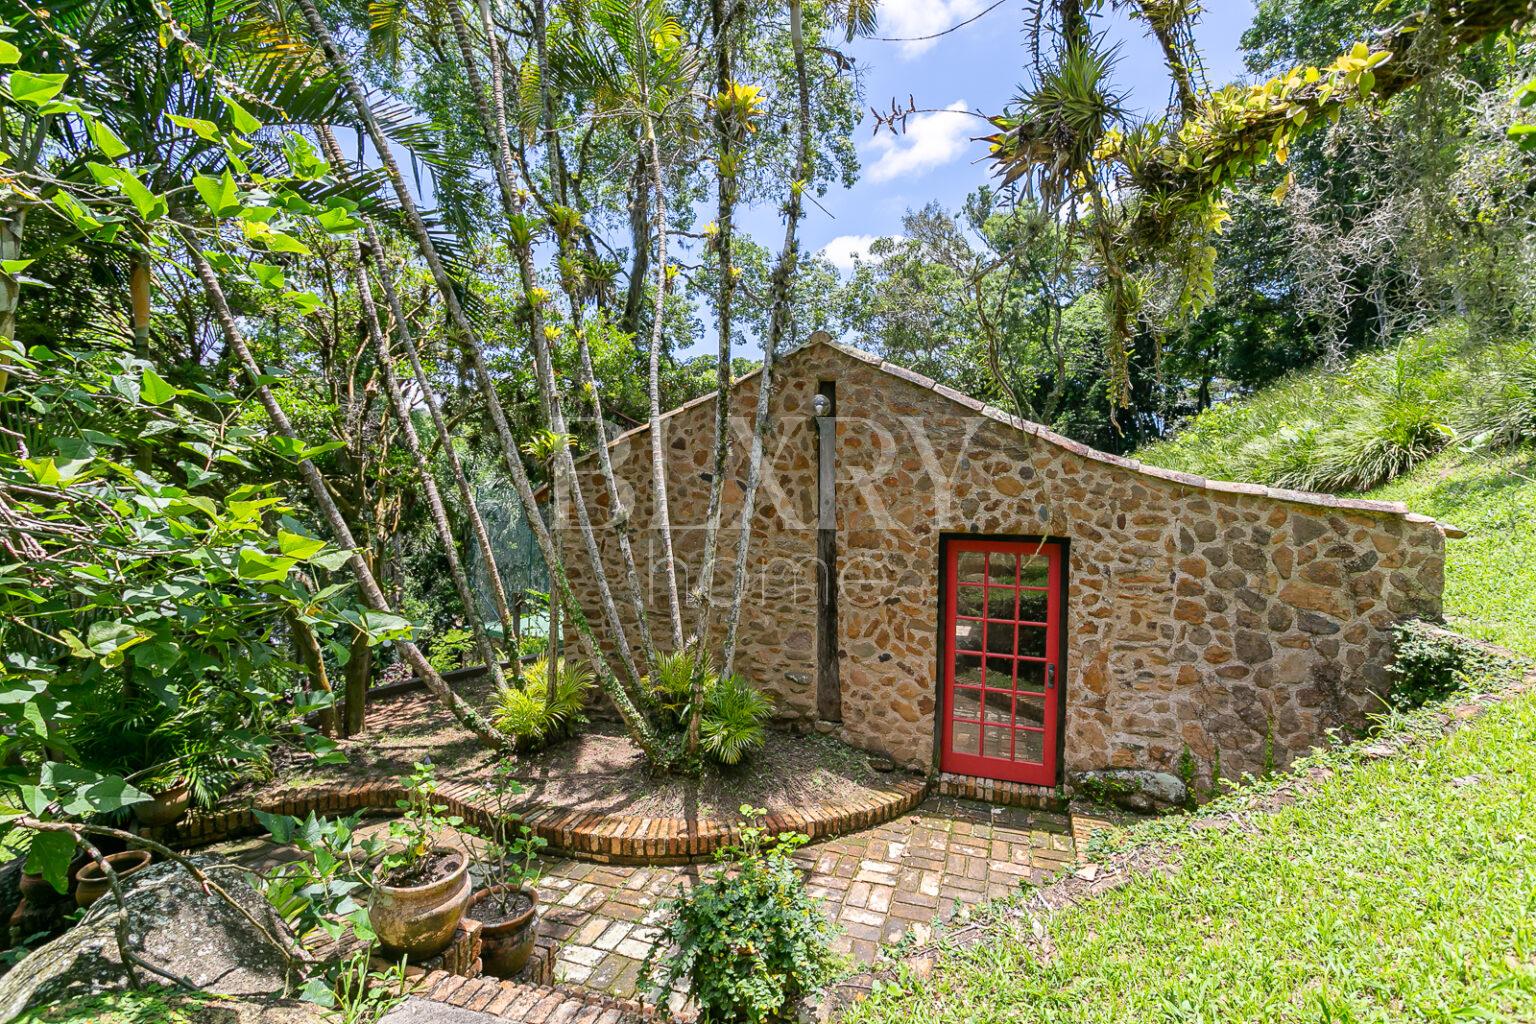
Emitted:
<point x="1050" y="677"/>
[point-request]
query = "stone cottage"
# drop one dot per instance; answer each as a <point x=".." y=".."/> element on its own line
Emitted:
<point x="971" y="594"/>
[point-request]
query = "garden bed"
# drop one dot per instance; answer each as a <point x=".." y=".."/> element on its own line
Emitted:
<point x="592" y="795"/>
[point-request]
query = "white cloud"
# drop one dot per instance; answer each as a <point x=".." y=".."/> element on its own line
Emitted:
<point x="908" y="19"/>
<point x="843" y="250"/>
<point x="931" y="140"/>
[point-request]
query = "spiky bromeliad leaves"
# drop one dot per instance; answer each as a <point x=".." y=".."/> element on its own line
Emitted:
<point x="1144" y="196"/>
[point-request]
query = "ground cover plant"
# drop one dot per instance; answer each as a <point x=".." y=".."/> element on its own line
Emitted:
<point x="1389" y="890"/>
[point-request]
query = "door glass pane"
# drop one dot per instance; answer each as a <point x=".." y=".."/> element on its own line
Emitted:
<point x="969" y="601"/>
<point x="972" y="566"/>
<point x="967" y="703"/>
<point x="1036" y="571"/>
<point x="999" y="707"/>
<point x="999" y="742"/>
<point x="966" y="737"/>
<point x="1031" y="709"/>
<point x="1000" y="638"/>
<point x="1002" y="567"/>
<point x="1032" y="641"/>
<point x="1031" y="676"/>
<point x="1033" y="605"/>
<point x="968" y="670"/>
<point x="1029" y="746"/>
<point x="1000" y="603"/>
<point x="968" y="634"/>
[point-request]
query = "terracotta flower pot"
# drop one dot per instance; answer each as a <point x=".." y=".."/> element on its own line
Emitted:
<point x="167" y="808"/>
<point x="505" y="945"/>
<point x="91" y="882"/>
<point x="419" y="920"/>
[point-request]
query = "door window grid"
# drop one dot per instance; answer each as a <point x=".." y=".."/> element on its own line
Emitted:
<point x="981" y="734"/>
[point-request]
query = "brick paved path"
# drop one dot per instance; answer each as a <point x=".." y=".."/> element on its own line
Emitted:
<point x="877" y="885"/>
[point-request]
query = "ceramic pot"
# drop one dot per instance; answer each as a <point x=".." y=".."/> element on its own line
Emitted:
<point x="419" y="920"/>
<point x="167" y="808"/>
<point x="506" y="945"/>
<point x="91" y="882"/>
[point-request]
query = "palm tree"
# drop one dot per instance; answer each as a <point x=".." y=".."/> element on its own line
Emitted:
<point x="372" y="594"/>
<point x="639" y="728"/>
<point x="375" y="248"/>
<point x="778" y="322"/>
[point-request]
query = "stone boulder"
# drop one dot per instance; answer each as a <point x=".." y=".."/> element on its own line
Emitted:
<point x="173" y="924"/>
<point x="1133" y="789"/>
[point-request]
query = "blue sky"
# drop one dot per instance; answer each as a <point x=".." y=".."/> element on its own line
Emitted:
<point x="977" y="67"/>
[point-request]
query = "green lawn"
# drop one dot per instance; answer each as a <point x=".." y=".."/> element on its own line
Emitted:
<point x="1490" y="575"/>
<point x="1401" y="889"/>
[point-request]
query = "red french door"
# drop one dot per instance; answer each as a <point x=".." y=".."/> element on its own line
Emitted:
<point x="1002" y="659"/>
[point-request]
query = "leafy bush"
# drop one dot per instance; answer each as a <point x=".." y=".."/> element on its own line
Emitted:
<point x="1430" y="663"/>
<point x="320" y="891"/>
<point x="525" y="713"/>
<point x="734" y="719"/>
<point x="452" y="649"/>
<point x="749" y="941"/>
<point x="671" y="685"/>
<point x="532" y="646"/>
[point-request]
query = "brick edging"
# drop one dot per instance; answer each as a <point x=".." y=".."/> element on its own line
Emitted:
<point x="612" y="839"/>
<point x="1013" y="794"/>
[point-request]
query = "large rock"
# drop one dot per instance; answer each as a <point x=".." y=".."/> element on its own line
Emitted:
<point x="1133" y="789"/>
<point x="173" y="924"/>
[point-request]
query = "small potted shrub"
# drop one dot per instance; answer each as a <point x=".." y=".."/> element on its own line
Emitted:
<point x="421" y="888"/>
<point x="748" y="942"/>
<point x="507" y="907"/>
<point x="169" y="800"/>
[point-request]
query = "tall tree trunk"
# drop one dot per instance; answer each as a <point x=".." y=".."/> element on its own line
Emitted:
<point x="313" y="659"/>
<point x="639" y="728"/>
<point x="494" y="120"/>
<point x="375" y="248"/>
<point x="424" y="478"/>
<point x="703" y="595"/>
<point x="778" y="321"/>
<point x="357" y="674"/>
<point x="661" y="506"/>
<point x="639" y="242"/>
<point x="372" y="595"/>
<point x="12" y="223"/>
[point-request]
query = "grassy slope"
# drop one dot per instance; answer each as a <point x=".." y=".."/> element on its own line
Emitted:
<point x="1401" y="889"/>
<point x="1490" y="575"/>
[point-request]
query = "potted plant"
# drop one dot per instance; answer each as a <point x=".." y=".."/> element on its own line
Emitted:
<point x="421" y="888"/>
<point x="507" y="906"/>
<point x="169" y="799"/>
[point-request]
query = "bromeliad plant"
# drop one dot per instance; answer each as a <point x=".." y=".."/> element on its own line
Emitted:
<point x="749" y="942"/>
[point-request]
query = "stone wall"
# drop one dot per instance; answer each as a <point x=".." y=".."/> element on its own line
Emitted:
<point x="1237" y="621"/>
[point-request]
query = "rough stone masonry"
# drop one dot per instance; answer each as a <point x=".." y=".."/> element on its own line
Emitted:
<point x="1233" y="620"/>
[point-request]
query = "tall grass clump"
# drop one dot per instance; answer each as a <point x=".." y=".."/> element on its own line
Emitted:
<point x="1366" y="424"/>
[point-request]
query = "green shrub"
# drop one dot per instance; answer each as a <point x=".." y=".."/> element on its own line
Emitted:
<point x="671" y="686"/>
<point x="452" y="650"/>
<point x="525" y="713"/>
<point x="1430" y="664"/>
<point x="735" y="720"/>
<point x="532" y="646"/>
<point x="748" y="942"/>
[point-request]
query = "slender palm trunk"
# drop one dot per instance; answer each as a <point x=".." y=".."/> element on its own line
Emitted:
<point x="11" y="225"/>
<point x="778" y="322"/>
<point x="372" y="595"/>
<point x="725" y="183"/>
<point x="662" y="508"/>
<point x="424" y="477"/>
<point x="639" y="728"/>
<point x="494" y="119"/>
<point x="477" y="525"/>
